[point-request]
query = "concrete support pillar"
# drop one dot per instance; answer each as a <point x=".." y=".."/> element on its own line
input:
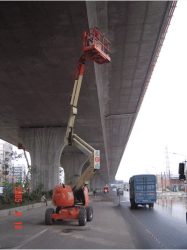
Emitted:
<point x="72" y="164"/>
<point x="93" y="182"/>
<point x="97" y="182"/>
<point x="45" y="146"/>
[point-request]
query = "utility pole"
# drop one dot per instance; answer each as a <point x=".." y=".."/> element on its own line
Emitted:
<point x="167" y="164"/>
<point x="165" y="180"/>
<point x="162" y="182"/>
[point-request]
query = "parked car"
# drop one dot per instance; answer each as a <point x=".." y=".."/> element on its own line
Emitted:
<point x="119" y="191"/>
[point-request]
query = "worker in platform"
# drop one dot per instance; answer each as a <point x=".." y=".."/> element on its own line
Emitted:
<point x="97" y="36"/>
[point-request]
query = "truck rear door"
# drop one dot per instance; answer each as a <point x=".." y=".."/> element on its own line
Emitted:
<point x="145" y="189"/>
<point x="150" y="189"/>
<point x="139" y="189"/>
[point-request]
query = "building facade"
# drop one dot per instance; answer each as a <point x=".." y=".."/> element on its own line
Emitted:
<point x="19" y="172"/>
<point x="172" y="183"/>
<point x="6" y="162"/>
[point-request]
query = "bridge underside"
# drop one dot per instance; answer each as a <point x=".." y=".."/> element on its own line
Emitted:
<point x="40" y="45"/>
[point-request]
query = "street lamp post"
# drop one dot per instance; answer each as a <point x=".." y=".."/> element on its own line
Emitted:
<point x="180" y="154"/>
<point x="161" y="181"/>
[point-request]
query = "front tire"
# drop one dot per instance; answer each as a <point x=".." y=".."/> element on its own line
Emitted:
<point x="48" y="219"/>
<point x="82" y="218"/>
<point x="89" y="213"/>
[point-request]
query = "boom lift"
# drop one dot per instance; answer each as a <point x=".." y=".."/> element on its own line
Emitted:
<point x="72" y="203"/>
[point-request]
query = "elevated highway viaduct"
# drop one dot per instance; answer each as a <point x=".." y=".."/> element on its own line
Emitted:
<point x="40" y="46"/>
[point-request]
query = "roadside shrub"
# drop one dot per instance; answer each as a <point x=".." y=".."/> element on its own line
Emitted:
<point x="1" y="199"/>
<point x="33" y="196"/>
<point x="44" y="192"/>
<point x="25" y="197"/>
<point x="11" y="197"/>
<point x="48" y="193"/>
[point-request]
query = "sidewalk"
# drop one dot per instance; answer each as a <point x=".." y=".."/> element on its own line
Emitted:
<point x="164" y="194"/>
<point x="11" y="211"/>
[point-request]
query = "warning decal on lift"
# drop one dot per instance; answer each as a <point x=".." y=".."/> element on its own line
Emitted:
<point x="96" y="159"/>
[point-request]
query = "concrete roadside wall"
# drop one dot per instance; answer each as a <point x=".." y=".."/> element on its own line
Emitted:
<point x="11" y="211"/>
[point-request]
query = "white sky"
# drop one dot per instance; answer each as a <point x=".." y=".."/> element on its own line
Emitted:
<point x="162" y="120"/>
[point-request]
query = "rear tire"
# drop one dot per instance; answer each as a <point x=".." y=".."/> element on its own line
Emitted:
<point x="82" y="218"/>
<point x="89" y="213"/>
<point x="48" y="219"/>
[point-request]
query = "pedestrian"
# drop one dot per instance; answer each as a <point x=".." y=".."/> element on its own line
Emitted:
<point x="95" y="192"/>
<point x="43" y="199"/>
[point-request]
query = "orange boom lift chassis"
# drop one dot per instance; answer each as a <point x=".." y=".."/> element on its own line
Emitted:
<point x="72" y="203"/>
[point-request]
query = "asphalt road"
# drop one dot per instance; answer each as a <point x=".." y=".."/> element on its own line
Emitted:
<point x="113" y="227"/>
<point x="165" y="224"/>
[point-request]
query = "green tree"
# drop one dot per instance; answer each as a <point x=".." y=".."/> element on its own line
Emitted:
<point x="5" y="171"/>
<point x="8" y="190"/>
<point x="35" y="173"/>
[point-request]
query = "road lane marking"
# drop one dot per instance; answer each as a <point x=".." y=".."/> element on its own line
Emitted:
<point x="148" y="231"/>
<point x="32" y="238"/>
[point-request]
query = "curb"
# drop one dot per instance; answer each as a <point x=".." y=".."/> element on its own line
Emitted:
<point x="11" y="211"/>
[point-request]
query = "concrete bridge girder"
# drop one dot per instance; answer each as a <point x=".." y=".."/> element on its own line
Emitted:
<point x="40" y="46"/>
<point x="72" y="164"/>
<point x="45" y="146"/>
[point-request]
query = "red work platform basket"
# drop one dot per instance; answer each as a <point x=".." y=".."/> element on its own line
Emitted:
<point x="96" y="46"/>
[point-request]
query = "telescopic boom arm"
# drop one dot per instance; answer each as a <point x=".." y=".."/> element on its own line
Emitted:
<point x="74" y="99"/>
<point x="95" y="48"/>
